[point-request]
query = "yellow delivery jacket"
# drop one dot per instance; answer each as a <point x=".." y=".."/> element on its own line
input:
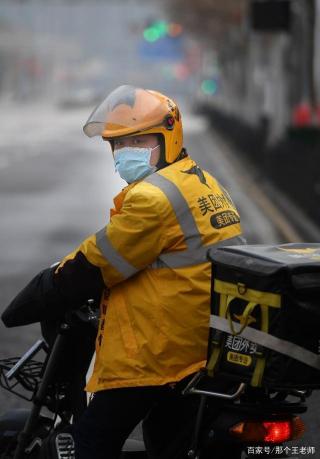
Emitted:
<point x="155" y="309"/>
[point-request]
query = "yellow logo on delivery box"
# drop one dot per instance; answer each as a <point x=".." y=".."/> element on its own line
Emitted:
<point x="244" y="319"/>
<point x="239" y="359"/>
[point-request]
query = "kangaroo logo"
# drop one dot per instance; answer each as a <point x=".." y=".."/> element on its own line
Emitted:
<point x="195" y="170"/>
<point x="243" y="320"/>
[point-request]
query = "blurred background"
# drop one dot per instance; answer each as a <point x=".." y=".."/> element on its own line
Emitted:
<point x="251" y="67"/>
<point x="245" y="73"/>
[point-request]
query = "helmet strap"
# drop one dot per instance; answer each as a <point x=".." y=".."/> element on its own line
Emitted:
<point x="182" y="154"/>
<point x="162" y="160"/>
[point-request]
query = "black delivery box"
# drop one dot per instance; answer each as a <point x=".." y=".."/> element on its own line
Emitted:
<point x="265" y="315"/>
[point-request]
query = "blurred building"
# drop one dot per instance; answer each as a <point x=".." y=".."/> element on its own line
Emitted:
<point x="72" y="51"/>
<point x="260" y="60"/>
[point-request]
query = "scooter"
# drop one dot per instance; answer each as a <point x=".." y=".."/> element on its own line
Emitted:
<point x="239" y="422"/>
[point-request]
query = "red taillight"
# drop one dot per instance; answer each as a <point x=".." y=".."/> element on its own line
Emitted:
<point x="277" y="431"/>
<point x="268" y="431"/>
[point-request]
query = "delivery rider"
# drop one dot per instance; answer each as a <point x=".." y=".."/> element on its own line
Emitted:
<point x="148" y="265"/>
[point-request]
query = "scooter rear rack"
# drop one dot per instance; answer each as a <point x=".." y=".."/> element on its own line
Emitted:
<point x="20" y="375"/>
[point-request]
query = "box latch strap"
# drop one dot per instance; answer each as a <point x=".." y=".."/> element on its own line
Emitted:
<point x="271" y="342"/>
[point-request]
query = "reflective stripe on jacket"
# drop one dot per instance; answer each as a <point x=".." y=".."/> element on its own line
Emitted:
<point x="155" y="312"/>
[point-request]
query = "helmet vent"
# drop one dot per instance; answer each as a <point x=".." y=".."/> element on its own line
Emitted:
<point x="169" y="122"/>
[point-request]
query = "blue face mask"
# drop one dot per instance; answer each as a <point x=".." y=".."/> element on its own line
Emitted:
<point x="133" y="163"/>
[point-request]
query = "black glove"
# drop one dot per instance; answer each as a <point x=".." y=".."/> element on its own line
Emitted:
<point x="39" y="300"/>
<point x="49" y="295"/>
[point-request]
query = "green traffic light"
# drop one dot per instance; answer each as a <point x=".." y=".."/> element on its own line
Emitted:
<point x="156" y="30"/>
<point x="161" y="27"/>
<point x="151" y="34"/>
<point x="209" y="87"/>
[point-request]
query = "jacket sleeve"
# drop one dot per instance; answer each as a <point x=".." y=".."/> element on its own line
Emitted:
<point x="131" y="241"/>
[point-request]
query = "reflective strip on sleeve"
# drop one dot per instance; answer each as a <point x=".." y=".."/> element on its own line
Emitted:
<point x="195" y="253"/>
<point x="191" y="257"/>
<point x="113" y="256"/>
<point x="181" y="209"/>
